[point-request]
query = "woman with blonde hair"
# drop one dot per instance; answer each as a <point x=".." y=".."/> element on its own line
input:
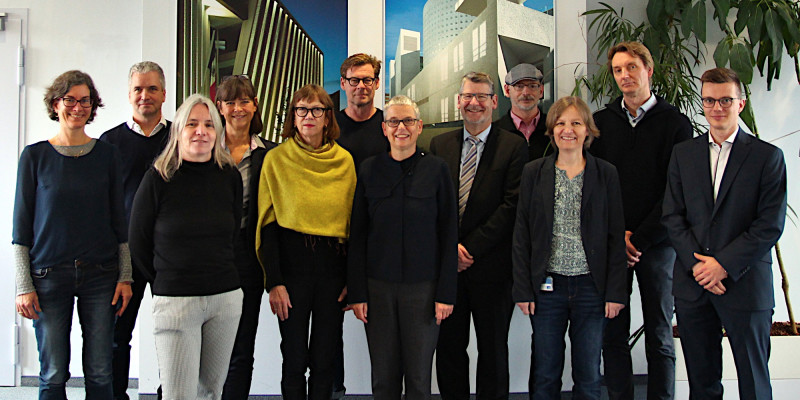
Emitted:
<point x="185" y="217"/>
<point x="305" y="198"/>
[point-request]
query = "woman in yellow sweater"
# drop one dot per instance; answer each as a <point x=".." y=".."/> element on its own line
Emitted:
<point x="304" y="202"/>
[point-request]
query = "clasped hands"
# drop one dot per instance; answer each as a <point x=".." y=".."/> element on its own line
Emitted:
<point x="709" y="274"/>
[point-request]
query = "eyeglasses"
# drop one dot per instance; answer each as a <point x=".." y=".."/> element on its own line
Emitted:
<point x="725" y="102"/>
<point x="86" y="102"/>
<point x="522" y="86"/>
<point x="394" y="123"/>
<point x="316" y="111"/>
<point x="368" y="81"/>
<point x="480" y="96"/>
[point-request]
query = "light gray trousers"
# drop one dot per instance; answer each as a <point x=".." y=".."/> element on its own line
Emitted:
<point x="194" y="338"/>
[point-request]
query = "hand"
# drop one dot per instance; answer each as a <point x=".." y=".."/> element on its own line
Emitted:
<point x="631" y="251"/>
<point x="123" y="290"/>
<point x="279" y="302"/>
<point x="708" y="272"/>
<point x="464" y="258"/>
<point x="28" y="305"/>
<point x="360" y="310"/>
<point x="443" y="311"/>
<point x="719" y="289"/>
<point x="613" y="309"/>
<point x="342" y="297"/>
<point x="527" y="308"/>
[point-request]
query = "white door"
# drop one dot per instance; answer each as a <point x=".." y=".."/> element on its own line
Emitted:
<point x="12" y="105"/>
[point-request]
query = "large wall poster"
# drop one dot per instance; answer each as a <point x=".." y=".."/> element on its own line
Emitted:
<point x="431" y="44"/>
<point x="281" y="45"/>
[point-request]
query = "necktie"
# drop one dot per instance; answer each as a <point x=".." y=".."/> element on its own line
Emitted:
<point x="468" y="168"/>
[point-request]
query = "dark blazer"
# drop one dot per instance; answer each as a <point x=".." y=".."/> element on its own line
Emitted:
<point x="488" y="221"/>
<point x="256" y="161"/>
<point x="739" y="229"/>
<point x="602" y="228"/>
<point x="539" y="143"/>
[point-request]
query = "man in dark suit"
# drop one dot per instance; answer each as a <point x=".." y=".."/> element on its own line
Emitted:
<point x="525" y="89"/>
<point x="724" y="209"/>
<point x="486" y="164"/>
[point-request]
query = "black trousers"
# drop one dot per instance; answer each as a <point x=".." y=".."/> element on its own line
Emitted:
<point x="490" y="306"/>
<point x="700" y="325"/>
<point x="240" y="371"/>
<point x="401" y="334"/>
<point x="123" y="332"/>
<point x="314" y="275"/>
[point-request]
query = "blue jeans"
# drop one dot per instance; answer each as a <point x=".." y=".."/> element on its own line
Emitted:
<point x="57" y="287"/>
<point x="576" y="302"/>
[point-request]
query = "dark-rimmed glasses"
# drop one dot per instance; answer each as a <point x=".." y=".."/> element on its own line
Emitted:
<point x="725" y="102"/>
<point x="85" y="102"/>
<point x="368" y="81"/>
<point x="394" y="123"/>
<point x="481" y="97"/>
<point x="316" y="112"/>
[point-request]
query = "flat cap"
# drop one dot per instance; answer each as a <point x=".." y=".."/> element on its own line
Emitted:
<point x="523" y="71"/>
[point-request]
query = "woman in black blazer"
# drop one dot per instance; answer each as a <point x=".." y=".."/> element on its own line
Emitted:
<point x="238" y="105"/>
<point x="569" y="252"/>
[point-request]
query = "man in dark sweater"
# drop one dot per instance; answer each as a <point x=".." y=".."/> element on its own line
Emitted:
<point x="139" y="140"/>
<point x="637" y="133"/>
<point x="524" y="87"/>
<point x="362" y="135"/>
<point x="360" y="122"/>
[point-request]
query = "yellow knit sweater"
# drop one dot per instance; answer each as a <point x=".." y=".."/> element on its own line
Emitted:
<point x="307" y="190"/>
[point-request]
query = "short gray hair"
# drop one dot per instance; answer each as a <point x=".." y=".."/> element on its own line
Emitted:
<point x="145" y="67"/>
<point x="477" y="77"/>
<point x="401" y="100"/>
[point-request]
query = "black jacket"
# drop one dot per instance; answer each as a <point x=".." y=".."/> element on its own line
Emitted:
<point x="404" y="226"/>
<point x="641" y="155"/>
<point x="488" y="221"/>
<point x="602" y="229"/>
<point x="247" y="268"/>
<point x="738" y="230"/>
<point x="539" y="144"/>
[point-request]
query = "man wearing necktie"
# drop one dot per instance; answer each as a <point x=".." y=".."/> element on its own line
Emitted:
<point x="486" y="164"/>
<point x="724" y="210"/>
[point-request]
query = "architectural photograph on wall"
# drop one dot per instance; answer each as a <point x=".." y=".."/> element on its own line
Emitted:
<point x="280" y="45"/>
<point x="431" y="44"/>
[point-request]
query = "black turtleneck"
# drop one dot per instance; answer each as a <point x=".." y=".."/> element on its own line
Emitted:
<point x="182" y="232"/>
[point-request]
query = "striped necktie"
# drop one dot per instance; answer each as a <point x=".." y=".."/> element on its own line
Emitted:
<point x="468" y="168"/>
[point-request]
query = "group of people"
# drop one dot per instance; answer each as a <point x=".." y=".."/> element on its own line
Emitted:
<point x="552" y="212"/>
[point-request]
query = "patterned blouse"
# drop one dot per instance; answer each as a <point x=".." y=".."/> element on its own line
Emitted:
<point x="566" y="252"/>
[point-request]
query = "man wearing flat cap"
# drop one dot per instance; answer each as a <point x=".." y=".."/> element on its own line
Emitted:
<point x="524" y="87"/>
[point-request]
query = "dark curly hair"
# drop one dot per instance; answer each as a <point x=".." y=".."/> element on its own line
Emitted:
<point x="62" y="84"/>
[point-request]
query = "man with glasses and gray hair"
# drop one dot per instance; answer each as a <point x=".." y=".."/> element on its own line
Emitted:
<point x="139" y="140"/>
<point x="524" y="87"/>
<point x="485" y="164"/>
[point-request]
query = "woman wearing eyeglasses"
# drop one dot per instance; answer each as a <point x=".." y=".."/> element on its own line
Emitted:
<point x="238" y="105"/>
<point x="402" y="257"/>
<point x="70" y="240"/>
<point x="305" y="197"/>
